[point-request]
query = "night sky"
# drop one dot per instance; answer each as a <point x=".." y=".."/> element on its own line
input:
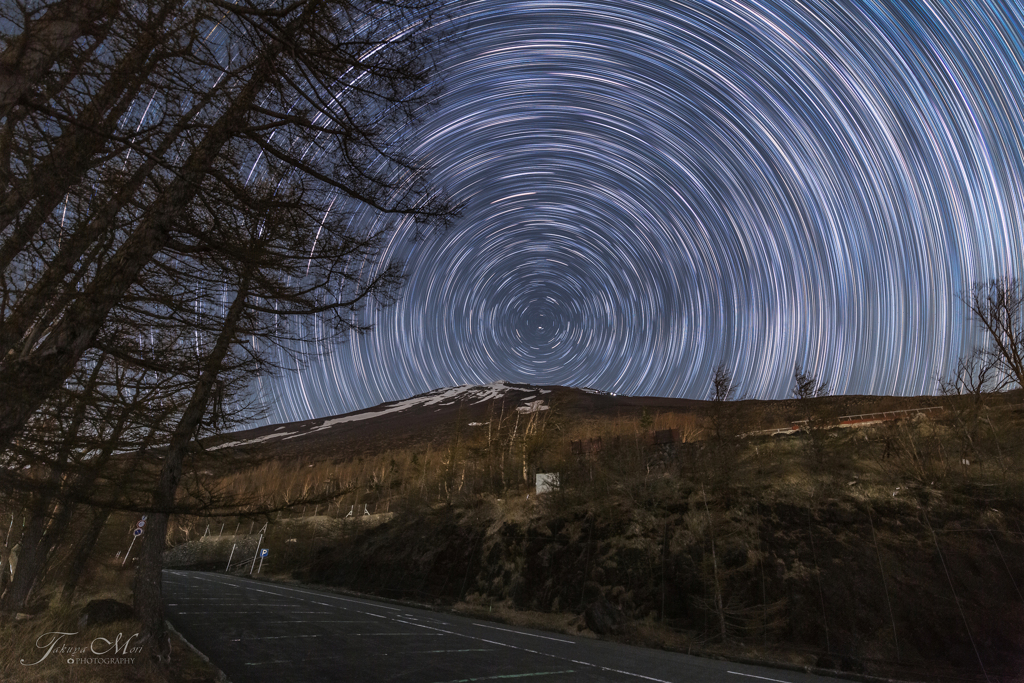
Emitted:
<point x="652" y="188"/>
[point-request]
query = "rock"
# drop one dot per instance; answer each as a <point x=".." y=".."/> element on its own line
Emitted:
<point x="603" y="617"/>
<point x="104" y="612"/>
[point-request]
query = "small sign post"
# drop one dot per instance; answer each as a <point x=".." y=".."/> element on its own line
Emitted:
<point x="263" y="553"/>
<point x="135" y="534"/>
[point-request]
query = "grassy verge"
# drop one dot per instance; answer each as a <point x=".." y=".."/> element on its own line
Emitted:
<point x="52" y="647"/>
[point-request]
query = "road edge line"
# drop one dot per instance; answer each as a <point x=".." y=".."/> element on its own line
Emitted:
<point x="221" y="676"/>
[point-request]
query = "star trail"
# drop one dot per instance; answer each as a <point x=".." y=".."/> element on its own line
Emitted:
<point x="653" y="187"/>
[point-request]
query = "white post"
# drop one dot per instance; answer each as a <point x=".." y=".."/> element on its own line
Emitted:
<point x="233" y="546"/>
<point x="261" y="565"/>
<point x="221" y="530"/>
<point x="129" y="550"/>
<point x="9" y="530"/>
<point x="257" y="553"/>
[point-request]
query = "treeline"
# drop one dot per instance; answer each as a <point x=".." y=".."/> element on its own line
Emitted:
<point x="188" y="188"/>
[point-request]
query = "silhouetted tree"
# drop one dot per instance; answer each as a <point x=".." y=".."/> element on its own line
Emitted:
<point x="49" y="31"/>
<point x="204" y="167"/>
<point x="806" y="385"/>
<point x="314" y="92"/>
<point x="998" y="307"/>
<point x="723" y="388"/>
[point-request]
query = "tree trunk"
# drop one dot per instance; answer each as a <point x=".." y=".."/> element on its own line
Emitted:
<point x="30" y="561"/>
<point x="81" y="554"/>
<point x="148" y="595"/>
<point x="719" y="607"/>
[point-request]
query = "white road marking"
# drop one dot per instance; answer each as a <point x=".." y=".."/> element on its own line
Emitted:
<point x="261" y="611"/>
<point x="392" y="634"/>
<point x="431" y="652"/>
<point x="317" y="621"/>
<point x="763" y="678"/>
<point x="507" y="676"/>
<point x="619" y="671"/>
<point x="537" y="652"/>
<point x="238" y="640"/>
<point x="294" y="590"/>
<point x="523" y="633"/>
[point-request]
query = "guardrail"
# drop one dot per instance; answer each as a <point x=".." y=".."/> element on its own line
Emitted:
<point x="886" y="415"/>
<point x="848" y="420"/>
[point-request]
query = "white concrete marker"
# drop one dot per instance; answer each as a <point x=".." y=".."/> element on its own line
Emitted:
<point x="257" y="553"/>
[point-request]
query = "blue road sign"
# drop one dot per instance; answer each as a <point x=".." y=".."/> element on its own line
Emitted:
<point x="138" y="532"/>
<point x="264" y="552"/>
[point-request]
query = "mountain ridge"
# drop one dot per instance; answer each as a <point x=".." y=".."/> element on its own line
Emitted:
<point x="435" y="415"/>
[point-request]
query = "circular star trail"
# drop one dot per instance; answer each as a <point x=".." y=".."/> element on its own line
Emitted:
<point x="654" y="188"/>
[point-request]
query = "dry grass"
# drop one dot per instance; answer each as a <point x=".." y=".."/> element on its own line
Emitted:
<point x="497" y="459"/>
<point x="110" y="653"/>
<point x="488" y="462"/>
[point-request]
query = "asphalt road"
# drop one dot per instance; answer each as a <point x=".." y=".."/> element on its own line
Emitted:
<point x="257" y="631"/>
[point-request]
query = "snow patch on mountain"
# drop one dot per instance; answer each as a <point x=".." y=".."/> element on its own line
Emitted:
<point x="438" y="397"/>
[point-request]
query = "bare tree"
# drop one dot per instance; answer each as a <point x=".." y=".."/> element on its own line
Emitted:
<point x="723" y="388"/>
<point x="158" y="224"/>
<point x="280" y="101"/>
<point x="998" y="307"/>
<point x="806" y="385"/>
<point x="72" y="455"/>
<point x="974" y="376"/>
